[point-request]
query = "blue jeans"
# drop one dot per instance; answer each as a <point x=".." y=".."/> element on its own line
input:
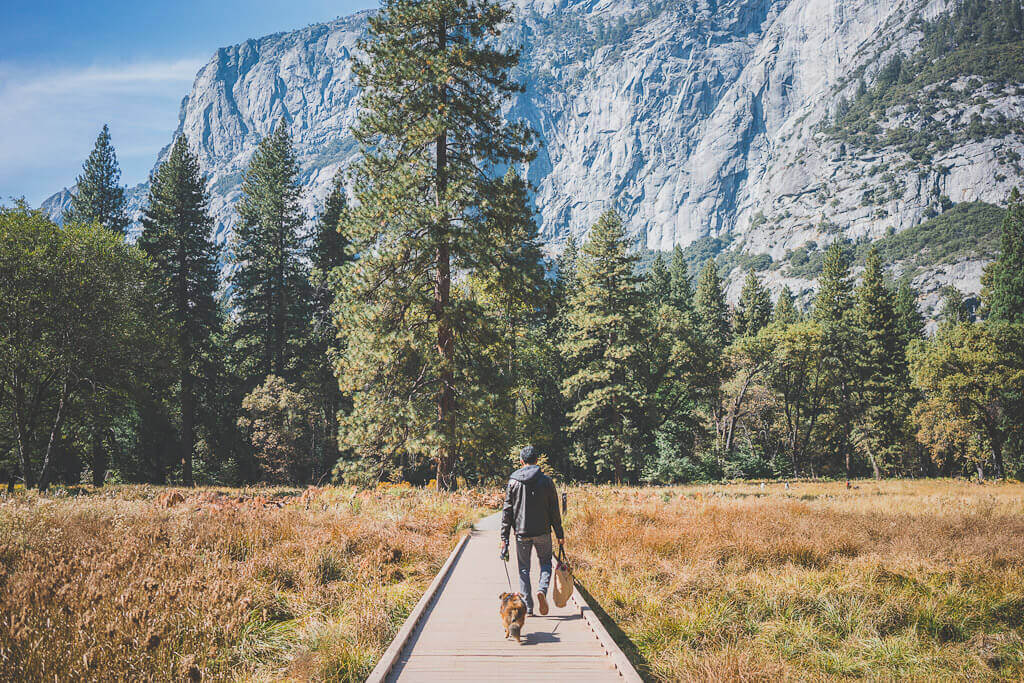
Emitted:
<point x="542" y="544"/>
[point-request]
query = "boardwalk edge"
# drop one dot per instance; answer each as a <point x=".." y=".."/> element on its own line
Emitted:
<point x="614" y="652"/>
<point x="394" y="652"/>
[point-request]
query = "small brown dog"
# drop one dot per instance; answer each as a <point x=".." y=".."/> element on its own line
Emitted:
<point x="513" y="614"/>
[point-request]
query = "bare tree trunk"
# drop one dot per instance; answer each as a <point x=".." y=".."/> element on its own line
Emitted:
<point x="24" y="458"/>
<point x="58" y="421"/>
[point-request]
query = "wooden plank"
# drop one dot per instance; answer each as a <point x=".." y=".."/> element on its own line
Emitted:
<point x="391" y="655"/>
<point x="458" y="635"/>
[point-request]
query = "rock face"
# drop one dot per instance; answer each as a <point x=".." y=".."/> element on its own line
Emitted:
<point x="692" y="119"/>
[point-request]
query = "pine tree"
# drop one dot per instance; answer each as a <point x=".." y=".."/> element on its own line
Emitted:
<point x="835" y="287"/>
<point x="832" y="307"/>
<point x="328" y="253"/>
<point x="909" y="320"/>
<point x="433" y="86"/>
<point x="177" y="236"/>
<point x="754" y="310"/>
<point x="604" y="344"/>
<point x="1005" y="291"/>
<point x="954" y="310"/>
<point x="270" y="286"/>
<point x="785" y="312"/>
<point x="711" y="309"/>
<point x="658" y="282"/>
<point x="881" y="370"/>
<point x="679" y="275"/>
<point x="517" y="280"/>
<point x="98" y="197"/>
<point x="567" y="282"/>
<point x="516" y="291"/>
<point x="672" y="373"/>
<point x="712" y="322"/>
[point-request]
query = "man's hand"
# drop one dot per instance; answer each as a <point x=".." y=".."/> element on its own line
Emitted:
<point x="504" y="550"/>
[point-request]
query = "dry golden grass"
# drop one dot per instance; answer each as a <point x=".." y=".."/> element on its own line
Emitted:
<point x="890" y="580"/>
<point x="133" y="584"/>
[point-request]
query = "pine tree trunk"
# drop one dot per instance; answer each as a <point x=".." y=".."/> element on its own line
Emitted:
<point x="446" y="394"/>
<point x="279" y="312"/>
<point x="442" y="305"/>
<point x="188" y="428"/>
<point x="187" y="395"/>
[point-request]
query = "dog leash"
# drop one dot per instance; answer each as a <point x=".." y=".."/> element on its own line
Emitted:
<point x="504" y="562"/>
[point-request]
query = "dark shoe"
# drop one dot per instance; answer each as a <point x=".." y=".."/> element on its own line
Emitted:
<point x="529" y="612"/>
<point x="542" y="604"/>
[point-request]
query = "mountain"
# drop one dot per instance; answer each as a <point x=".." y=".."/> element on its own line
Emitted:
<point x="760" y="130"/>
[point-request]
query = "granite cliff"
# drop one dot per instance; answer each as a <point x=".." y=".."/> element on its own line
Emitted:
<point x="710" y="118"/>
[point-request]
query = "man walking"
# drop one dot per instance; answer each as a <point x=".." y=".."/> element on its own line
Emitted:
<point x="531" y="507"/>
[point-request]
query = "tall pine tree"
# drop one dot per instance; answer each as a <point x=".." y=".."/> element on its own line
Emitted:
<point x="908" y="315"/>
<point x="604" y="345"/>
<point x="270" y="286"/>
<point x="177" y="237"/>
<point x="98" y="196"/>
<point x="679" y="281"/>
<point x="881" y="370"/>
<point x="754" y="310"/>
<point x="953" y="310"/>
<point x="328" y="253"/>
<point x="832" y="307"/>
<point x="714" y="333"/>
<point x="658" y="281"/>
<point x="711" y="309"/>
<point x="433" y="86"/>
<point x="517" y="282"/>
<point x="1004" y="292"/>
<point x="835" y="287"/>
<point x="517" y="293"/>
<point x="785" y="312"/>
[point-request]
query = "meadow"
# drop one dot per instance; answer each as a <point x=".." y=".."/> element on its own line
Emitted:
<point x="144" y="583"/>
<point x="809" y="581"/>
<point x="805" y="581"/>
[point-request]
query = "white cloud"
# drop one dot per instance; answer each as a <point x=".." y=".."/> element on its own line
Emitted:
<point x="50" y="119"/>
<point x="129" y="77"/>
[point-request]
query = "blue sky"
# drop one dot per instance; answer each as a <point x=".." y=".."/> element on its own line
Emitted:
<point x="69" y="66"/>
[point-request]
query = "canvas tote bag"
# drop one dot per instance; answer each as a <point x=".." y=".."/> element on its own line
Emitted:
<point x="563" y="588"/>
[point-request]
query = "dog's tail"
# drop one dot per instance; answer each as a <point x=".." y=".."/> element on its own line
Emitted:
<point x="515" y="630"/>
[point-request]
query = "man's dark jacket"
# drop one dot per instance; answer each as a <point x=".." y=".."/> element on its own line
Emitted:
<point x="531" y="504"/>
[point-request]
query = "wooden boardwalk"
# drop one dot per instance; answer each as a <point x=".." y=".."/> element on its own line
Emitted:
<point x="455" y="634"/>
